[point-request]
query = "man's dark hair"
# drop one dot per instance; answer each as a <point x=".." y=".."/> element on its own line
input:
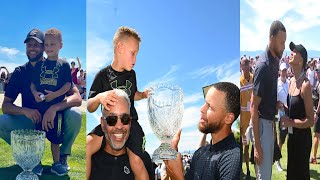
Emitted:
<point x="276" y="26"/>
<point x="232" y="98"/>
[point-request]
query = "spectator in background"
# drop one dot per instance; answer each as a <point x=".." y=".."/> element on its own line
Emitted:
<point x="158" y="172"/>
<point x="310" y="72"/>
<point x="74" y="71"/>
<point x="82" y="83"/>
<point x="316" y="104"/>
<point x="4" y="78"/>
<point x="282" y="94"/>
<point x="246" y="84"/>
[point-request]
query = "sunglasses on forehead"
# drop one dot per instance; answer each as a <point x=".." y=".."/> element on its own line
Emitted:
<point x="112" y="120"/>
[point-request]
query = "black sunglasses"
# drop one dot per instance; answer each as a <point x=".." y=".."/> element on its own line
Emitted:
<point x="112" y="120"/>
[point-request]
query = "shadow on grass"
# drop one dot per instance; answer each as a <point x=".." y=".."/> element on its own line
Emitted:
<point x="10" y="173"/>
<point x="314" y="174"/>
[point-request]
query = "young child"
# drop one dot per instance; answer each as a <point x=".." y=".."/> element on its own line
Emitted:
<point x="120" y="75"/>
<point x="51" y="80"/>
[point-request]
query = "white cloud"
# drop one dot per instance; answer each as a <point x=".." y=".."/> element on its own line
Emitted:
<point x="297" y="16"/>
<point x="99" y="53"/>
<point x="229" y="72"/>
<point x="169" y="77"/>
<point x="9" y="52"/>
<point x="193" y="98"/>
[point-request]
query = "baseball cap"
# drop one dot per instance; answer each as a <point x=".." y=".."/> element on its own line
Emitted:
<point x="317" y="70"/>
<point x="35" y="34"/>
<point x="283" y="66"/>
<point x="300" y="49"/>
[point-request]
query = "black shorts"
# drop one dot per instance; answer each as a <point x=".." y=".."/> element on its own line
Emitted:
<point x="136" y="143"/>
<point x="316" y="128"/>
<point x="282" y="134"/>
<point x="55" y="135"/>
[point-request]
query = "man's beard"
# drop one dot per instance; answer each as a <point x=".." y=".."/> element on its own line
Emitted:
<point x="278" y="53"/>
<point x="35" y="58"/>
<point x="210" y="128"/>
<point x="114" y="145"/>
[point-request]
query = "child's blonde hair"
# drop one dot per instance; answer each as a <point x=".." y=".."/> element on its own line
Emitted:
<point x="124" y="32"/>
<point x="54" y="32"/>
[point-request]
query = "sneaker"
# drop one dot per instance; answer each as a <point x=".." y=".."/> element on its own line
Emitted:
<point x="278" y="165"/>
<point x="313" y="161"/>
<point x="38" y="169"/>
<point x="59" y="169"/>
<point x="63" y="161"/>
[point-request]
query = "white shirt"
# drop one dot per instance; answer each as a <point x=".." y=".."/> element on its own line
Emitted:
<point x="282" y="91"/>
<point x="311" y="76"/>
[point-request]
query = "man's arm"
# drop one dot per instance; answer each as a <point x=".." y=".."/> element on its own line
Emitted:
<point x="79" y="64"/>
<point x="93" y="144"/>
<point x="255" y="125"/>
<point x="9" y="108"/>
<point x="174" y="168"/>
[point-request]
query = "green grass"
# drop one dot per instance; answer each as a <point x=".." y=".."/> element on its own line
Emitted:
<point x="77" y="162"/>
<point x="276" y="175"/>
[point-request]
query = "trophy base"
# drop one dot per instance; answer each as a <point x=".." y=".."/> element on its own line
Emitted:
<point x="164" y="152"/>
<point x="27" y="175"/>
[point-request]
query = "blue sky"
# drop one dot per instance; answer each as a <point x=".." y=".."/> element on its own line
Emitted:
<point x="19" y="17"/>
<point x="301" y="19"/>
<point x="191" y="44"/>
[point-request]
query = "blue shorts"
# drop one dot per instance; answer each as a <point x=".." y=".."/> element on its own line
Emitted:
<point x="55" y="135"/>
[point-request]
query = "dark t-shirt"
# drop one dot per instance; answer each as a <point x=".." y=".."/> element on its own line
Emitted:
<point x="218" y="161"/>
<point x="20" y="83"/>
<point x="107" y="166"/>
<point x="51" y="75"/>
<point x="108" y="79"/>
<point x="265" y="81"/>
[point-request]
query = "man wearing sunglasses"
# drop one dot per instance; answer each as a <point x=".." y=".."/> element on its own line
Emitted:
<point x="110" y="160"/>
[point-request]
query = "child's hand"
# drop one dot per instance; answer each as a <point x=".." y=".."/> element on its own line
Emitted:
<point x="50" y="96"/>
<point x="145" y="93"/>
<point x="107" y="98"/>
<point x="37" y="97"/>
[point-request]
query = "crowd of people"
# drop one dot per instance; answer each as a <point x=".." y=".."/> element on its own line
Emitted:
<point x="160" y="168"/>
<point x="284" y="90"/>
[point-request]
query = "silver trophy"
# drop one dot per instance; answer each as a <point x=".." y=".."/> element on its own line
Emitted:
<point x="165" y="109"/>
<point x="27" y="149"/>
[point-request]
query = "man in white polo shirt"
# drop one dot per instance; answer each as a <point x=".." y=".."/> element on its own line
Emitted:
<point x="282" y="94"/>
